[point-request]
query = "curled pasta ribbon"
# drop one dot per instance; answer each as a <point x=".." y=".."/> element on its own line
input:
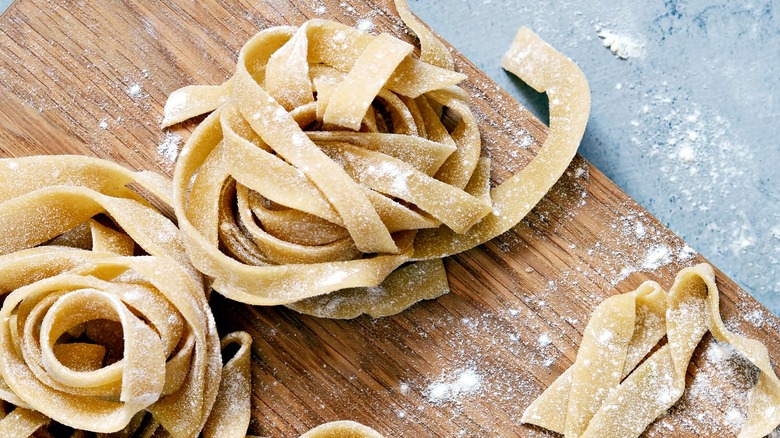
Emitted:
<point x="342" y="429"/>
<point x="105" y="326"/>
<point x="605" y="393"/>
<point x="332" y="159"/>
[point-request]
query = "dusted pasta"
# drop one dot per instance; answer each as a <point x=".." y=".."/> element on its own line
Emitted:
<point x="105" y="325"/>
<point x="605" y="393"/>
<point x="333" y="159"/>
<point x="342" y="429"/>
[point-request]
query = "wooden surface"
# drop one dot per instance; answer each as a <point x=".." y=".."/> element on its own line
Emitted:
<point x="70" y="76"/>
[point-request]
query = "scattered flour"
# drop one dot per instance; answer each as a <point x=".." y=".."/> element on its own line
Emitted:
<point x="544" y="340"/>
<point x="657" y="256"/>
<point x="622" y="46"/>
<point x="734" y="417"/>
<point x="465" y="381"/>
<point x="169" y="148"/>
<point x="134" y="90"/>
<point x="365" y="25"/>
<point x="718" y="352"/>
<point x="103" y="124"/>
<point x="686" y="153"/>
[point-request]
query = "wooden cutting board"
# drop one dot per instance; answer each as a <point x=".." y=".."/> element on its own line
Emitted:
<point x="92" y="77"/>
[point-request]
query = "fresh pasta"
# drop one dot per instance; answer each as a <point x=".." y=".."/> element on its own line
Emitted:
<point x="105" y="325"/>
<point x="605" y="394"/>
<point x="342" y="429"/>
<point x="335" y="168"/>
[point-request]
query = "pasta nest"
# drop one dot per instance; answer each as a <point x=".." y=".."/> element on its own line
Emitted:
<point x="331" y="159"/>
<point x="103" y="317"/>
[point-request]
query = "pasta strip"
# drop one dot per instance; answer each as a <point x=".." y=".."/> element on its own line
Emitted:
<point x="349" y="101"/>
<point x="280" y="131"/>
<point x="432" y="50"/>
<point x="569" y="98"/>
<point x="22" y="422"/>
<point x="342" y="429"/>
<point x="594" y="396"/>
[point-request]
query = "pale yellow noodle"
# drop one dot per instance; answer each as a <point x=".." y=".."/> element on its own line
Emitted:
<point x="342" y="429"/>
<point x="605" y="394"/>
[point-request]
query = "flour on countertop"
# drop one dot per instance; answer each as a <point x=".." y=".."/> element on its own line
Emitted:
<point x="622" y="46"/>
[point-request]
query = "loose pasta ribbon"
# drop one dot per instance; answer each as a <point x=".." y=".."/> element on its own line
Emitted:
<point x="605" y="393"/>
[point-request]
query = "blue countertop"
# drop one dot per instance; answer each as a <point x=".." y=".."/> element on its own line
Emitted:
<point x="685" y="115"/>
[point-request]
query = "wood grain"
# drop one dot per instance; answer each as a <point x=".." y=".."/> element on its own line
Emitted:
<point x="518" y="304"/>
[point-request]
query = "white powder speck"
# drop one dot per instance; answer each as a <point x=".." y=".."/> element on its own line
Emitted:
<point x="755" y="317"/>
<point x="639" y="230"/>
<point x="718" y="352"/>
<point x="667" y="396"/>
<point x="299" y="139"/>
<point x="134" y="90"/>
<point x="169" y="148"/>
<point x="657" y="256"/>
<point x="544" y="340"/>
<point x="320" y="10"/>
<point x="686" y="153"/>
<point x="438" y="391"/>
<point x="624" y="47"/>
<point x="365" y="25"/>
<point x="742" y="238"/>
<point x="466" y="381"/>
<point x="548" y="362"/>
<point x="604" y="337"/>
<point x="176" y="102"/>
<point x="734" y="417"/>
<point x="335" y="278"/>
<point x="686" y="253"/>
<point x="404" y="388"/>
<point x="103" y="124"/>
